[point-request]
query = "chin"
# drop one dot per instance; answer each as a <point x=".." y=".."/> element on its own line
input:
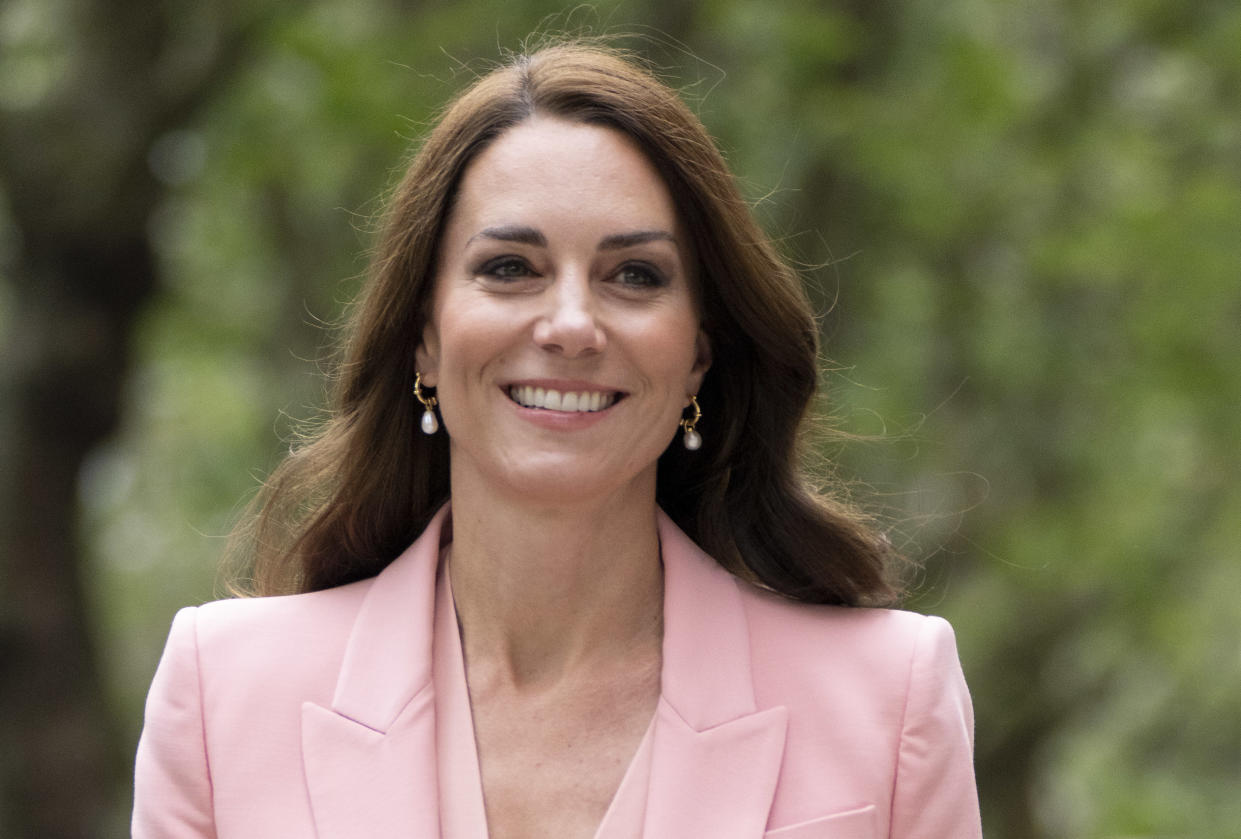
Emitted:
<point x="564" y="482"/>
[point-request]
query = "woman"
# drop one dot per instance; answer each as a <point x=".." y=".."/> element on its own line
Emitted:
<point x="598" y="629"/>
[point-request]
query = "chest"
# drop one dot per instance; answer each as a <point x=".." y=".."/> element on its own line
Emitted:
<point x="551" y="763"/>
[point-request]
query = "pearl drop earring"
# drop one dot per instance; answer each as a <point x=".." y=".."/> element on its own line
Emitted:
<point x="692" y="439"/>
<point x="430" y="424"/>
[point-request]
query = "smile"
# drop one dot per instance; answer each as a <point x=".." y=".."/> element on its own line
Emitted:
<point x="586" y="401"/>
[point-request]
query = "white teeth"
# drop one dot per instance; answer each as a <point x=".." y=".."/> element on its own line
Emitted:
<point x="553" y="400"/>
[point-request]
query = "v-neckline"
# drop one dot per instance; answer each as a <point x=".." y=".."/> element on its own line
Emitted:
<point x="463" y="813"/>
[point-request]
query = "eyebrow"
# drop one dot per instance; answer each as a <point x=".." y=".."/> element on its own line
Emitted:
<point x="523" y="235"/>
<point x="620" y="241"/>
<point x="512" y="233"/>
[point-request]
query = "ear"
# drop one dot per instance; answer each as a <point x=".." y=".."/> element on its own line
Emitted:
<point x="427" y="356"/>
<point x="702" y="363"/>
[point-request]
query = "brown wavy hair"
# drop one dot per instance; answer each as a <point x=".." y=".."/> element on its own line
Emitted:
<point x="357" y="491"/>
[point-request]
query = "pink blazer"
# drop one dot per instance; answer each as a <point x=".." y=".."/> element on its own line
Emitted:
<point x="313" y="715"/>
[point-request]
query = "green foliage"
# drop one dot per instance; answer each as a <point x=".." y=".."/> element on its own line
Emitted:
<point x="1028" y="216"/>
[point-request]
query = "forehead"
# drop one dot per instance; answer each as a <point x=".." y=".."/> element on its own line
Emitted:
<point x="562" y="171"/>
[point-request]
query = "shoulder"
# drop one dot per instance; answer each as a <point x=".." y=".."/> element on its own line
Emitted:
<point x="274" y="620"/>
<point x="878" y="710"/>
<point x="882" y="654"/>
<point x="256" y="641"/>
<point x="891" y="632"/>
<point x="224" y="710"/>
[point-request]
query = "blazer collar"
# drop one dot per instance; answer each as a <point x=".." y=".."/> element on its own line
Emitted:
<point x="388" y="658"/>
<point x="715" y="756"/>
<point x="706" y="674"/>
<point x="370" y="758"/>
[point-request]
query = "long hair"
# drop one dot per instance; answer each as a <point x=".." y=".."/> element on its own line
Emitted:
<point x="350" y="499"/>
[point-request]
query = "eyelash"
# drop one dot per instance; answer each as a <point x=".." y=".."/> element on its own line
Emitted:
<point x="496" y="269"/>
<point x="652" y="277"/>
<point x="502" y="269"/>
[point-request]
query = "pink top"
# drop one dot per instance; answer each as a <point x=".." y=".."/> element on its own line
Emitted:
<point x="462" y="812"/>
<point x="340" y="713"/>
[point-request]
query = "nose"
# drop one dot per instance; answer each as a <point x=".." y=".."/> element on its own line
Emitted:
<point x="570" y="325"/>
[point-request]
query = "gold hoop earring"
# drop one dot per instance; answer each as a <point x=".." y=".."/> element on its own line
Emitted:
<point x="692" y="439"/>
<point x="430" y="424"/>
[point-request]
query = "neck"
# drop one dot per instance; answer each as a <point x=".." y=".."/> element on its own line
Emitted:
<point x="548" y="590"/>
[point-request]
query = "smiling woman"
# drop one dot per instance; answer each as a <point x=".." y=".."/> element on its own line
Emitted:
<point x="560" y="272"/>
<point x="546" y="615"/>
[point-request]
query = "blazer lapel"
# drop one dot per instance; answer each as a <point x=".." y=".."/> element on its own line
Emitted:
<point x="370" y="758"/>
<point x="716" y="758"/>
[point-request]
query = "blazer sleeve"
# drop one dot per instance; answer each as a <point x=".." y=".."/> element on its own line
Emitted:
<point x="935" y="795"/>
<point x="172" y="779"/>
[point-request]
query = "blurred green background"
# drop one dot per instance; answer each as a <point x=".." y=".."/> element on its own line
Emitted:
<point x="1021" y="221"/>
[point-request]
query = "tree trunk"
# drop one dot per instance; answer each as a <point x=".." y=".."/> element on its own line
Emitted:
<point x="73" y="170"/>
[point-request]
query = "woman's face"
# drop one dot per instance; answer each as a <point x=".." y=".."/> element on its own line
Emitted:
<point x="564" y="339"/>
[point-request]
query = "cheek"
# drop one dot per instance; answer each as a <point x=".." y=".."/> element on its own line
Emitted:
<point x="673" y="346"/>
<point x="471" y="336"/>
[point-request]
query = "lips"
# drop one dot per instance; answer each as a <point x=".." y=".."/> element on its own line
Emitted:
<point x="570" y="401"/>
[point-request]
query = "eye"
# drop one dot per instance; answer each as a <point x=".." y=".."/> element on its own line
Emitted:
<point x="506" y="268"/>
<point x="640" y="275"/>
